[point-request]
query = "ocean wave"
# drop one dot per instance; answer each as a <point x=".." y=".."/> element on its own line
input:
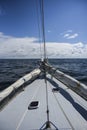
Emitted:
<point x="12" y="70"/>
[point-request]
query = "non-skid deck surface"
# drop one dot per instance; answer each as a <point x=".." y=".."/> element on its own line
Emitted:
<point x="67" y="110"/>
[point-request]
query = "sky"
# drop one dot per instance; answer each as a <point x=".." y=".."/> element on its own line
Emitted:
<point x="65" y="29"/>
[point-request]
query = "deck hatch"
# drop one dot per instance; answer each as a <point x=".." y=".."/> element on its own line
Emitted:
<point x="55" y="89"/>
<point x="33" y="105"/>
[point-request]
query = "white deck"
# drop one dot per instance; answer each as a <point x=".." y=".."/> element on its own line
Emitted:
<point x="68" y="111"/>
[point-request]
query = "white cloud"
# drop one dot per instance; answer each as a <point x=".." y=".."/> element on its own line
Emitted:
<point x="72" y="36"/>
<point x="69" y="34"/>
<point x="13" y="47"/>
<point x="66" y="32"/>
<point x="66" y="35"/>
<point x="67" y="50"/>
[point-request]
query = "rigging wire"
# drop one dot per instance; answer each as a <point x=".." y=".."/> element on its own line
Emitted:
<point x="39" y="25"/>
<point x="44" y="43"/>
<point x="47" y="103"/>
<point x="42" y="24"/>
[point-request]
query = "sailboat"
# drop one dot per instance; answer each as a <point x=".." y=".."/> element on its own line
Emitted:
<point x="44" y="99"/>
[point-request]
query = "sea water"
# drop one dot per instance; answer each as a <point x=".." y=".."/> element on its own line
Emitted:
<point x="13" y="69"/>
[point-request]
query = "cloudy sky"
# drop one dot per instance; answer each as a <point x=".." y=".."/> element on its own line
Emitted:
<point x="65" y="29"/>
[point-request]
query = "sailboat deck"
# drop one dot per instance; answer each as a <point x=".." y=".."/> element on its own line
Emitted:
<point x="67" y="110"/>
